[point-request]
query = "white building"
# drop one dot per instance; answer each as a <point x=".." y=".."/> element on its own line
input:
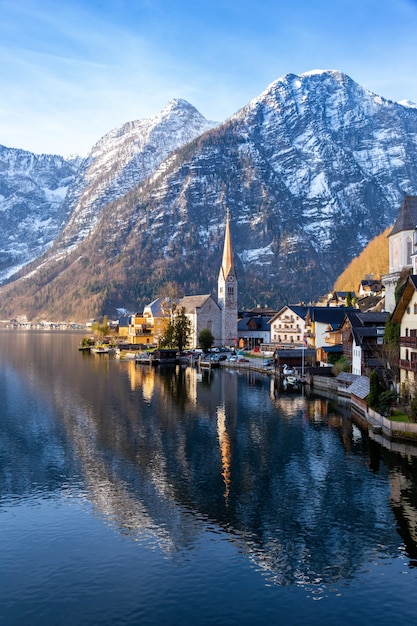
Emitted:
<point x="203" y="312"/>
<point x="402" y="242"/>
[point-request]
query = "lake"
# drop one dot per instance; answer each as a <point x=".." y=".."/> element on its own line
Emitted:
<point x="145" y="495"/>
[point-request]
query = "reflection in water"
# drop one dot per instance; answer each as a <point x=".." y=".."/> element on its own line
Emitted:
<point x="225" y="448"/>
<point x="294" y="484"/>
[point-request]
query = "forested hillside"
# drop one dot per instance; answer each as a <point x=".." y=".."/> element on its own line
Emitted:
<point x="372" y="260"/>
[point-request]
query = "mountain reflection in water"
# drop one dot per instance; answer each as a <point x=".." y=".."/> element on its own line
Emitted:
<point x="165" y="453"/>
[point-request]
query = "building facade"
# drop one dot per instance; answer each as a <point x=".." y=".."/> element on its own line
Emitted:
<point x="402" y="242"/>
<point x="405" y="314"/>
<point x="288" y="326"/>
<point x="203" y="312"/>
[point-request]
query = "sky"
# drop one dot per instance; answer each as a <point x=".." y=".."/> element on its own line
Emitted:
<point x="73" y="70"/>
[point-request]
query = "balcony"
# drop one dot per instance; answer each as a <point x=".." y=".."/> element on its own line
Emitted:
<point x="408" y="342"/>
<point x="411" y="366"/>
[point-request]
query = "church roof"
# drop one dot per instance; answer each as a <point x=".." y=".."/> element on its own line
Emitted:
<point x="407" y="216"/>
<point x="227" y="261"/>
<point x="191" y="303"/>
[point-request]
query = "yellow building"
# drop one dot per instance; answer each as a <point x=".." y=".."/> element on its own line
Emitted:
<point x="140" y="331"/>
<point x="156" y="315"/>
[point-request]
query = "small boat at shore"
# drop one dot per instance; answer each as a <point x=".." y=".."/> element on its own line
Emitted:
<point x="99" y="349"/>
<point x="146" y="359"/>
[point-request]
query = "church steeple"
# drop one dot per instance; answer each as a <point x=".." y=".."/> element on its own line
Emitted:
<point x="227" y="262"/>
<point x="227" y="290"/>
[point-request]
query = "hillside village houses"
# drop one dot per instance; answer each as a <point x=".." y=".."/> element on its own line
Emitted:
<point x="331" y="329"/>
<point x="203" y="311"/>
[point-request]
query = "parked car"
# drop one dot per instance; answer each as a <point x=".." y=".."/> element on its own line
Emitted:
<point x="242" y="359"/>
<point x="232" y="358"/>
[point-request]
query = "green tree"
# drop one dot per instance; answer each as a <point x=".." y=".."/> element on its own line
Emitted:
<point x="182" y="329"/>
<point x="177" y="331"/>
<point x="341" y="365"/>
<point x="102" y="329"/>
<point x="205" y="339"/>
<point x="349" y="299"/>
<point x="167" y="340"/>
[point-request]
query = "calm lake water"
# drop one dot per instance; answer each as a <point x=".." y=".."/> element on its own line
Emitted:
<point x="131" y="495"/>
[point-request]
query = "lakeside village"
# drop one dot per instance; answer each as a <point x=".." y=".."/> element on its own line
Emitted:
<point x="360" y="346"/>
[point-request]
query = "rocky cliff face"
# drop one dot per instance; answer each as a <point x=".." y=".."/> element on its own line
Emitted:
<point x="32" y="192"/>
<point x="310" y="170"/>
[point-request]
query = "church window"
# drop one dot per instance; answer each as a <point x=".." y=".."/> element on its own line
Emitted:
<point x="409" y="250"/>
<point x="230" y="291"/>
<point x="415" y="308"/>
<point x="209" y="324"/>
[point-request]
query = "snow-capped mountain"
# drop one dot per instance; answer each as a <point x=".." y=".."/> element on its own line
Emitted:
<point x="122" y="159"/>
<point x="310" y="170"/>
<point x="32" y="190"/>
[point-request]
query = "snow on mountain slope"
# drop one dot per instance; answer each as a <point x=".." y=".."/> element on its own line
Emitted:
<point x="311" y="170"/>
<point x="32" y="191"/>
<point x="122" y="159"/>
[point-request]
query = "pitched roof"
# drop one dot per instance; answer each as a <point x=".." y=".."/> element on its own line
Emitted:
<point x="409" y="289"/>
<point x="155" y="307"/>
<point x="191" y="303"/>
<point x="359" y="387"/>
<point x="261" y="322"/>
<point x="299" y="310"/>
<point x="407" y="216"/>
<point x="227" y="261"/>
<point x="329" y="314"/>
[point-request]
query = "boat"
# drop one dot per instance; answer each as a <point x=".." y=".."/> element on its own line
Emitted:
<point x="99" y="349"/>
<point x="144" y="358"/>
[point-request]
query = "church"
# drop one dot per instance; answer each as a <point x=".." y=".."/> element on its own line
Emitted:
<point x="402" y="241"/>
<point x="219" y="317"/>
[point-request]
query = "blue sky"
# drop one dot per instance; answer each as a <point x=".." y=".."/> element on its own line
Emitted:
<point x="71" y="71"/>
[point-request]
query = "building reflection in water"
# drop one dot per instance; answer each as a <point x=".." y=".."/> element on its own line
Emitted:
<point x="225" y="448"/>
<point x="301" y="491"/>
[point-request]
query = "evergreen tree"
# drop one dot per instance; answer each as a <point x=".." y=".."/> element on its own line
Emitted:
<point x="182" y="329"/>
<point x="205" y="339"/>
<point x="167" y="339"/>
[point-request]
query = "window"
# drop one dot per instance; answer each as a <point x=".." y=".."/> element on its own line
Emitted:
<point x="409" y="250"/>
<point x="415" y="308"/>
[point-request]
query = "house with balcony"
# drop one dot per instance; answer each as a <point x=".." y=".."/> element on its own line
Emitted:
<point x="288" y="326"/>
<point x="139" y="331"/>
<point x="157" y="314"/>
<point x="405" y="314"/>
<point x="362" y="338"/>
<point x="322" y="331"/>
